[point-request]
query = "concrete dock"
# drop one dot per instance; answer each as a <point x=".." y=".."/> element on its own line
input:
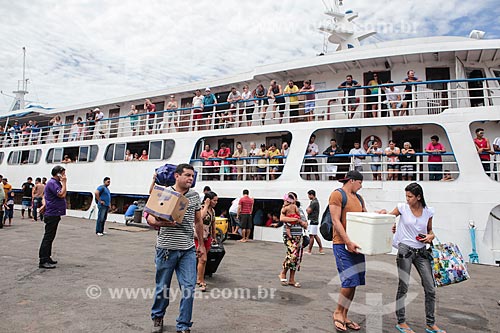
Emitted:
<point x="105" y="284"/>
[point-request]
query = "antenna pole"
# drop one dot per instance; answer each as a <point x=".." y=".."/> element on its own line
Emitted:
<point x="25" y="85"/>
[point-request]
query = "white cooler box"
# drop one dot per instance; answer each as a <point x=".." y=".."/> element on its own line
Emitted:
<point x="371" y="231"/>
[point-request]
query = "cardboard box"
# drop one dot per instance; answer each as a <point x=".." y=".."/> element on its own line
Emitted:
<point x="371" y="231"/>
<point x="167" y="204"/>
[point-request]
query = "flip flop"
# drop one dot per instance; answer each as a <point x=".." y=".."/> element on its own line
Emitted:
<point x="435" y="331"/>
<point x="295" y="284"/>
<point x="352" y="325"/>
<point x="283" y="281"/>
<point x="404" y="329"/>
<point x="338" y="328"/>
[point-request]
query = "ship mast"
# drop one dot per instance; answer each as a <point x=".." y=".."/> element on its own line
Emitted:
<point x="341" y="28"/>
<point x="22" y="88"/>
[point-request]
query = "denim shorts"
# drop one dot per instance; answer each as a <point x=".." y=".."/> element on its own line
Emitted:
<point x="351" y="266"/>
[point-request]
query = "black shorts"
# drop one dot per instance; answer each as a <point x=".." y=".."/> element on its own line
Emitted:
<point x="246" y="221"/>
<point x="264" y="101"/>
<point x="310" y="168"/>
<point x="207" y="111"/>
<point x="372" y="99"/>
<point x="294" y="110"/>
<point x="249" y="112"/>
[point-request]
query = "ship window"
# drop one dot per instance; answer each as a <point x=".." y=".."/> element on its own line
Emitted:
<point x="168" y="148"/>
<point x="25" y="157"/>
<point x="76" y="154"/>
<point x="119" y="154"/>
<point x="154" y="149"/>
<point x="58" y="154"/>
<point x="83" y="154"/>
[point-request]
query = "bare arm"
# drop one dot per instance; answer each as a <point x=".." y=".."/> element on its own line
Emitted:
<point x="335" y="212"/>
<point x="198" y="226"/>
<point x="152" y="183"/>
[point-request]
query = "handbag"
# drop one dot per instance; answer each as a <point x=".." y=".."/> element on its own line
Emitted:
<point x="448" y="264"/>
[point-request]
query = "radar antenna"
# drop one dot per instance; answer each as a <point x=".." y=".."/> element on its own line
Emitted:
<point x="341" y="27"/>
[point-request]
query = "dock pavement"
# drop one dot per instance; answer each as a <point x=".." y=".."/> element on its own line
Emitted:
<point x="105" y="284"/>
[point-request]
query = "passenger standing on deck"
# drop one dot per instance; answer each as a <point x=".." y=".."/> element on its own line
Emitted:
<point x="171" y="115"/>
<point x="415" y="221"/>
<point x="175" y="251"/>
<point x="435" y="149"/>
<point x="292" y="89"/>
<point x="197" y="109"/>
<point x="311" y="164"/>
<point x="90" y="124"/>
<point x="276" y="91"/>
<point x="310" y="99"/>
<point x="407" y="102"/>
<point x="484" y="149"/>
<point x="27" y="200"/>
<point x="293" y="245"/>
<point x="331" y="151"/>
<point x="150" y="108"/>
<point x="53" y="207"/>
<point x="37" y="198"/>
<point x="263" y="101"/>
<point x="209" y="101"/>
<point x="244" y="215"/>
<point x="103" y="201"/>
<point x="350" y="95"/>
<point x="350" y="263"/>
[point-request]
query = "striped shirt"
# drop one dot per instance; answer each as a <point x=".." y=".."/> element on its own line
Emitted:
<point x="181" y="237"/>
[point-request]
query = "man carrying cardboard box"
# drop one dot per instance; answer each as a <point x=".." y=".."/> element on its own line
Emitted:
<point x="175" y="251"/>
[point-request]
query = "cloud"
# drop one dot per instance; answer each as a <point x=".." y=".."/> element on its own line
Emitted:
<point x="88" y="50"/>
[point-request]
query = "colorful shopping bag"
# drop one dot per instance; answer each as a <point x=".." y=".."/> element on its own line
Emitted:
<point x="448" y="264"/>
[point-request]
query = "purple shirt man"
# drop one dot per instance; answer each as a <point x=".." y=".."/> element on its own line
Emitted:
<point x="53" y="207"/>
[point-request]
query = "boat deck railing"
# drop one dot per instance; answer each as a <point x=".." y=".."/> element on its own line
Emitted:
<point x="318" y="169"/>
<point x="425" y="99"/>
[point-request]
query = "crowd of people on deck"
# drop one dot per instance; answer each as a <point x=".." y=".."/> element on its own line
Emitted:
<point x="202" y="113"/>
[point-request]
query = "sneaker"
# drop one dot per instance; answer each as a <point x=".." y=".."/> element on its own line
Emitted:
<point x="46" y="265"/>
<point x="53" y="262"/>
<point x="157" y="325"/>
<point x="100" y="234"/>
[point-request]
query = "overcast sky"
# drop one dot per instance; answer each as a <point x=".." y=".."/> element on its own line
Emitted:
<point x="88" y="50"/>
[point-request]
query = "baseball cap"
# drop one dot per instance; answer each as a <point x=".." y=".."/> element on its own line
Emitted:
<point x="353" y="174"/>
<point x="207" y="89"/>
<point x="97" y="109"/>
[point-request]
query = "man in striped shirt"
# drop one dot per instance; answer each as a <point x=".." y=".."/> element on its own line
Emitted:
<point x="175" y="251"/>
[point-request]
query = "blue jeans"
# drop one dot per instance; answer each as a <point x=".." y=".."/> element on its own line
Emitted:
<point x="37" y="203"/>
<point x="102" y="215"/>
<point x="183" y="262"/>
<point x="435" y="172"/>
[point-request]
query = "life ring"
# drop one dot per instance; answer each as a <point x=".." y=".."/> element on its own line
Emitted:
<point x="370" y="139"/>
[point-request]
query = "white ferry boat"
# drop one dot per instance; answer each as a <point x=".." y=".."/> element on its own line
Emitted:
<point x="458" y="92"/>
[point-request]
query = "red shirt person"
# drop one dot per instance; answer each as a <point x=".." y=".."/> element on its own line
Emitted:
<point x="435" y="149"/>
<point x="245" y="208"/>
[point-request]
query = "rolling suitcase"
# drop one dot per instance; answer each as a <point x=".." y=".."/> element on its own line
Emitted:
<point x="214" y="257"/>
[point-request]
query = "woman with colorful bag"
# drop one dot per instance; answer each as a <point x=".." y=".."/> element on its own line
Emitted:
<point x="412" y="233"/>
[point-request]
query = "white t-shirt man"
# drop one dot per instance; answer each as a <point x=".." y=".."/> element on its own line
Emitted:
<point x="392" y="95"/>
<point x="357" y="160"/>
<point x="496" y="142"/>
<point x="312" y="148"/>
<point x="197" y="102"/>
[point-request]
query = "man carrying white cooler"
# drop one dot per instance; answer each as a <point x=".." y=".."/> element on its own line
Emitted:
<point x="350" y="263"/>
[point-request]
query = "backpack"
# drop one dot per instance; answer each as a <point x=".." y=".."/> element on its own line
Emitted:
<point x="165" y="175"/>
<point x="326" y="227"/>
